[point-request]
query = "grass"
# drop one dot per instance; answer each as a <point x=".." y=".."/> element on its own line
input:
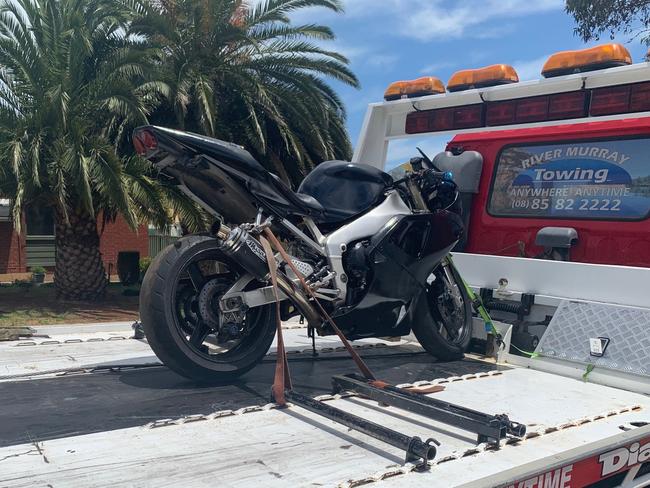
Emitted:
<point x="38" y="305"/>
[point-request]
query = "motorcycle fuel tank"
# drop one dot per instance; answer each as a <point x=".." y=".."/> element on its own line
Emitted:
<point x="346" y="189"/>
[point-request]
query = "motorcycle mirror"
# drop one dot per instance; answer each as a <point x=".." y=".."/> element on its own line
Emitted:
<point x="416" y="164"/>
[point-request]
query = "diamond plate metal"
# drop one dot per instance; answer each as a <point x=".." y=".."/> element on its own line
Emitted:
<point x="628" y="328"/>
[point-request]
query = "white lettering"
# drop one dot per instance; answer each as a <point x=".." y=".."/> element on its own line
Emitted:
<point x="552" y="479"/>
<point x="614" y="460"/>
<point x="601" y="175"/>
<point x="565" y="481"/>
<point x="578" y="174"/>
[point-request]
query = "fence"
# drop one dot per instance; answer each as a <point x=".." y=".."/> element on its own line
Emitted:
<point x="158" y="242"/>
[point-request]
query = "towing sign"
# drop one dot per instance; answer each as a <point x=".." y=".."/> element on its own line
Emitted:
<point x="607" y="179"/>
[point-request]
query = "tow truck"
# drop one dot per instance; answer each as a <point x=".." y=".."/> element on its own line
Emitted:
<point x="91" y="406"/>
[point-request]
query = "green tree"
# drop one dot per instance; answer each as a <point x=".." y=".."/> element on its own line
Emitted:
<point x="247" y="74"/>
<point x="72" y="80"/>
<point x="597" y="17"/>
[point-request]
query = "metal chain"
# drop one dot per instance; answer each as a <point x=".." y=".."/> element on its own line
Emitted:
<point x="531" y="434"/>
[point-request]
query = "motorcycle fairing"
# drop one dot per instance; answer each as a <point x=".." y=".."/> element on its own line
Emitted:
<point x="400" y="259"/>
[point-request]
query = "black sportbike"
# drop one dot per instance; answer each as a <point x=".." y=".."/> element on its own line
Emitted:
<point x="371" y="249"/>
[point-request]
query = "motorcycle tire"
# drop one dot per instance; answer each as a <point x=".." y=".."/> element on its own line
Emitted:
<point x="166" y="331"/>
<point x="431" y="337"/>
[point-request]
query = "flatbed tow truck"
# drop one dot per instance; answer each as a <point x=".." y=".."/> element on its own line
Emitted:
<point x="91" y="406"/>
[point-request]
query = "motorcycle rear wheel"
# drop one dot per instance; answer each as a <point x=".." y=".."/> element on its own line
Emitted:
<point x="179" y="313"/>
<point x="450" y="307"/>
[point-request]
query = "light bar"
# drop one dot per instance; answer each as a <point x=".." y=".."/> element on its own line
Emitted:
<point x="427" y="85"/>
<point x="497" y="74"/>
<point x="593" y="58"/>
<point x="611" y="100"/>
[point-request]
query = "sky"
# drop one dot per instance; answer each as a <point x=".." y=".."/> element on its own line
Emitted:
<point x="390" y="40"/>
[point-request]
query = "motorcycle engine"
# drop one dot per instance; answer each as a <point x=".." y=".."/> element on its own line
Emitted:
<point x="355" y="263"/>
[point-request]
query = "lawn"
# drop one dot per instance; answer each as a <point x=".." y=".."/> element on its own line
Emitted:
<point x="37" y="305"/>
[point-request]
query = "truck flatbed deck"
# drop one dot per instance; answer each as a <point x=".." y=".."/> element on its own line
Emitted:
<point x="144" y="426"/>
<point x="93" y="407"/>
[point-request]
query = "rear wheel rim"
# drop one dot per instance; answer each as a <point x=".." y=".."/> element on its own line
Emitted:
<point x="202" y="334"/>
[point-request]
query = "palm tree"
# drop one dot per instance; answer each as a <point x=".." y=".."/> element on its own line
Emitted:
<point x="248" y="75"/>
<point x="72" y="80"/>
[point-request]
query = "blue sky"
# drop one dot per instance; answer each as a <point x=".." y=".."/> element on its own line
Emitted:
<point x="388" y="40"/>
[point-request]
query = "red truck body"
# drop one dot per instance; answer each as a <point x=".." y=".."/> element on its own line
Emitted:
<point x="602" y="236"/>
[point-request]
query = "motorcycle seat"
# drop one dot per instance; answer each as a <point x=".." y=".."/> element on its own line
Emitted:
<point x="303" y="204"/>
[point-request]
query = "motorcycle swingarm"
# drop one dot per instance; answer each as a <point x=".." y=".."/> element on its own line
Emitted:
<point x="235" y="299"/>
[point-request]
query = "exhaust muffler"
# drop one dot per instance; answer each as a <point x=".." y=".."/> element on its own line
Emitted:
<point x="240" y="246"/>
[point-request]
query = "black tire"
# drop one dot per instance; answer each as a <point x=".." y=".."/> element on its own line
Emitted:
<point x="431" y="336"/>
<point x="166" y="333"/>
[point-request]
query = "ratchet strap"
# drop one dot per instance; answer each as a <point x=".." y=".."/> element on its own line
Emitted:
<point x="282" y="378"/>
<point x="479" y="308"/>
<point x="363" y="367"/>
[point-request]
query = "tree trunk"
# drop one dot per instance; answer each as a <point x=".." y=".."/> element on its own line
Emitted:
<point x="79" y="272"/>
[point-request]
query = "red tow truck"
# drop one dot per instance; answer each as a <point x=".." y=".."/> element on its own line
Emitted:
<point x="557" y="168"/>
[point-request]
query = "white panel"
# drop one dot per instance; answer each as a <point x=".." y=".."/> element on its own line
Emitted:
<point x="622" y="285"/>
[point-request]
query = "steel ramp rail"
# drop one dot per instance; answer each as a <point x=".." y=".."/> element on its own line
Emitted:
<point x="490" y="428"/>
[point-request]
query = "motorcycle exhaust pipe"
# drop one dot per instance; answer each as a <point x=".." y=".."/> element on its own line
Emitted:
<point x="245" y="250"/>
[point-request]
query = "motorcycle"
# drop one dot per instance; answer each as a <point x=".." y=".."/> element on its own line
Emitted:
<point x="371" y="249"/>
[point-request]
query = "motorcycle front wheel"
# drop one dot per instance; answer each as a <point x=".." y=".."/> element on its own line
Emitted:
<point x="448" y="335"/>
<point x="179" y="310"/>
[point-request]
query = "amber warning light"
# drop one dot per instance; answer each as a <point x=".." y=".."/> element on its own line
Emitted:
<point x="497" y="74"/>
<point x="427" y="85"/>
<point x="593" y="58"/>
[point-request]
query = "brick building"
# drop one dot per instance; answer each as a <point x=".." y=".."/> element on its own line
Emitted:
<point x="35" y="246"/>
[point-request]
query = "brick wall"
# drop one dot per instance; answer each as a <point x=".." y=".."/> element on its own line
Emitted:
<point x="118" y="236"/>
<point x="12" y="250"/>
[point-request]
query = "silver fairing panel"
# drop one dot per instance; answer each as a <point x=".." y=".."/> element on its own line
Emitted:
<point x="365" y="226"/>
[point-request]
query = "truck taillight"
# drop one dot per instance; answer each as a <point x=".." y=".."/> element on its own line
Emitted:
<point x="536" y="109"/>
<point x="468" y="117"/>
<point x="533" y="109"/>
<point x="611" y="100"/>
<point x="144" y="141"/>
<point x="567" y="105"/>
<point x="500" y="113"/>
<point x="640" y="97"/>
<point x="463" y="117"/>
<point x="620" y="99"/>
<point x="578" y="104"/>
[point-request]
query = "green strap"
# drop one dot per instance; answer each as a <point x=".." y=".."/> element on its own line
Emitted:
<point x="590" y="368"/>
<point x="485" y="316"/>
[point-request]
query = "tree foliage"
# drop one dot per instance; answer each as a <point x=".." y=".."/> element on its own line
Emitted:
<point x="76" y="76"/>
<point x="72" y="79"/>
<point x="595" y="18"/>
<point x="247" y="74"/>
